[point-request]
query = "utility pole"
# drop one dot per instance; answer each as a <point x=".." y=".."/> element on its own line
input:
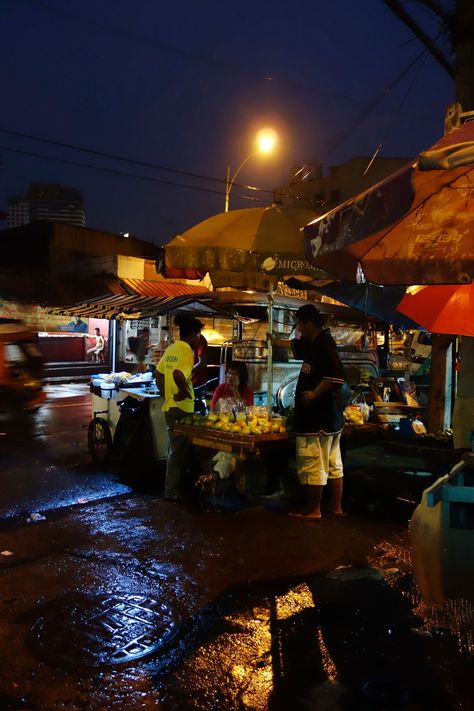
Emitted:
<point x="462" y="35"/>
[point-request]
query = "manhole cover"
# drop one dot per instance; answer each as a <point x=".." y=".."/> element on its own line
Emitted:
<point x="96" y="630"/>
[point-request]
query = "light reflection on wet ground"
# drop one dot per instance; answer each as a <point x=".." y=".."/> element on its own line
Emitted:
<point x="454" y="619"/>
<point x="275" y="614"/>
<point x="352" y="638"/>
<point x="66" y="390"/>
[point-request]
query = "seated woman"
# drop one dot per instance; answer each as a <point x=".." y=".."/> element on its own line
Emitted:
<point x="235" y="386"/>
<point x="224" y="464"/>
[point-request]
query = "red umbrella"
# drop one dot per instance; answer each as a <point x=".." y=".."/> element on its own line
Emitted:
<point x="414" y="227"/>
<point x="447" y="308"/>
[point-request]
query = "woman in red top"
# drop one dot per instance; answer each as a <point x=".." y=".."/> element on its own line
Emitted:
<point x="235" y="386"/>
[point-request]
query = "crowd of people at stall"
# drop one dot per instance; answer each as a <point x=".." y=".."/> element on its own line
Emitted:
<point x="318" y="410"/>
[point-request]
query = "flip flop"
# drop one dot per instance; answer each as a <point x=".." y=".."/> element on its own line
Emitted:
<point x="305" y="517"/>
<point x="340" y="514"/>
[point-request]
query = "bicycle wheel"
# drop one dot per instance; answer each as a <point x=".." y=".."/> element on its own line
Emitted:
<point x="99" y="440"/>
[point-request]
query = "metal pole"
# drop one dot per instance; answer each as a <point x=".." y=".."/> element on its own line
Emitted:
<point x="230" y="181"/>
<point x="227" y="189"/>
<point x="114" y="344"/>
<point x="270" y="350"/>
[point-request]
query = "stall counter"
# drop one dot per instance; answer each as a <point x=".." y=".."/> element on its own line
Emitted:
<point x="240" y="444"/>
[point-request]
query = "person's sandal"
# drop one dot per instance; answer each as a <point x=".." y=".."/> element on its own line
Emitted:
<point x="305" y="517"/>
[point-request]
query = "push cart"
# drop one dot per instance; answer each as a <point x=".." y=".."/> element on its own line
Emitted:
<point x="122" y="416"/>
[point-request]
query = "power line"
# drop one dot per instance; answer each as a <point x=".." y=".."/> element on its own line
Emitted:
<point x="126" y="159"/>
<point x="371" y="106"/>
<point x="154" y="180"/>
<point x="123" y="173"/>
<point x="219" y="65"/>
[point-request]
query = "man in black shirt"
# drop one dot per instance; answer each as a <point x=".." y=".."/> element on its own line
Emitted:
<point x="318" y="417"/>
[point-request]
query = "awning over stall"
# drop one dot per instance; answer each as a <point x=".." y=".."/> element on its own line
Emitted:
<point x="133" y="307"/>
<point x="163" y="287"/>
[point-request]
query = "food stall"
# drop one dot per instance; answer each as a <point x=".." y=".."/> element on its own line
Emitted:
<point x="245" y="442"/>
<point x="114" y="395"/>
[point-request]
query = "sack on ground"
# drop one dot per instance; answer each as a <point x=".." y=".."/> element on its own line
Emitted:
<point x="224" y="463"/>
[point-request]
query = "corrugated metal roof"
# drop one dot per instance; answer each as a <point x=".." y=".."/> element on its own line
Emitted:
<point x="123" y="307"/>
<point x="146" y="287"/>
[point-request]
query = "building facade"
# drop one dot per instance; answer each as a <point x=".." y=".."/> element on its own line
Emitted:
<point x="46" y="201"/>
<point x="310" y="189"/>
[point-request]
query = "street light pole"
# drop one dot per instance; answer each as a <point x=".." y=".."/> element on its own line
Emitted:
<point x="266" y="139"/>
<point x="230" y="181"/>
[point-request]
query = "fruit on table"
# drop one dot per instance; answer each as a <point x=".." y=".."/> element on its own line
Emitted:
<point x="241" y="424"/>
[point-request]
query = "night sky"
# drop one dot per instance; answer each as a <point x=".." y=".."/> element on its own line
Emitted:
<point x="186" y="85"/>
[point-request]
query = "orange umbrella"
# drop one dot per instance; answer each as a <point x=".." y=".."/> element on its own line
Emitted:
<point x="414" y="227"/>
<point x="446" y="308"/>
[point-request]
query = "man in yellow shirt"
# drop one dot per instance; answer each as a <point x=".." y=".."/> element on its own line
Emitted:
<point x="173" y="378"/>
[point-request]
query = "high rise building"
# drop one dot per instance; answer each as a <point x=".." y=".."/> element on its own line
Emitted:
<point x="47" y="201"/>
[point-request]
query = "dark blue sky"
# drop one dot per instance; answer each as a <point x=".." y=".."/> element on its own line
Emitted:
<point x="186" y="85"/>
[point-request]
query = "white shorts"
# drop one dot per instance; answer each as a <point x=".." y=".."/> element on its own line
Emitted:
<point x="318" y="459"/>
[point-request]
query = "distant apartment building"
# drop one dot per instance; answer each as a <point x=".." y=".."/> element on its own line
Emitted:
<point x="46" y="201"/>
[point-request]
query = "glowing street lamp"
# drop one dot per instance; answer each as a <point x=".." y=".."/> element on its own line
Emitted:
<point x="266" y="140"/>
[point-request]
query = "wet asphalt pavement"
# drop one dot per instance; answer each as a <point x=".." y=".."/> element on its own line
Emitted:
<point x="111" y="598"/>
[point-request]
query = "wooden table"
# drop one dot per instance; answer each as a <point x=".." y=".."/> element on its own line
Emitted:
<point x="242" y="445"/>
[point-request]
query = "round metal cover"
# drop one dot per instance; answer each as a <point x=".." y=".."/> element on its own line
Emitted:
<point x="80" y="629"/>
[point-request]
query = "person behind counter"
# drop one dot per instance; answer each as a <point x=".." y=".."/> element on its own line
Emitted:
<point x="173" y="378"/>
<point x="235" y="386"/>
<point x="143" y="345"/>
<point x="199" y="376"/>
<point x="318" y="414"/>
